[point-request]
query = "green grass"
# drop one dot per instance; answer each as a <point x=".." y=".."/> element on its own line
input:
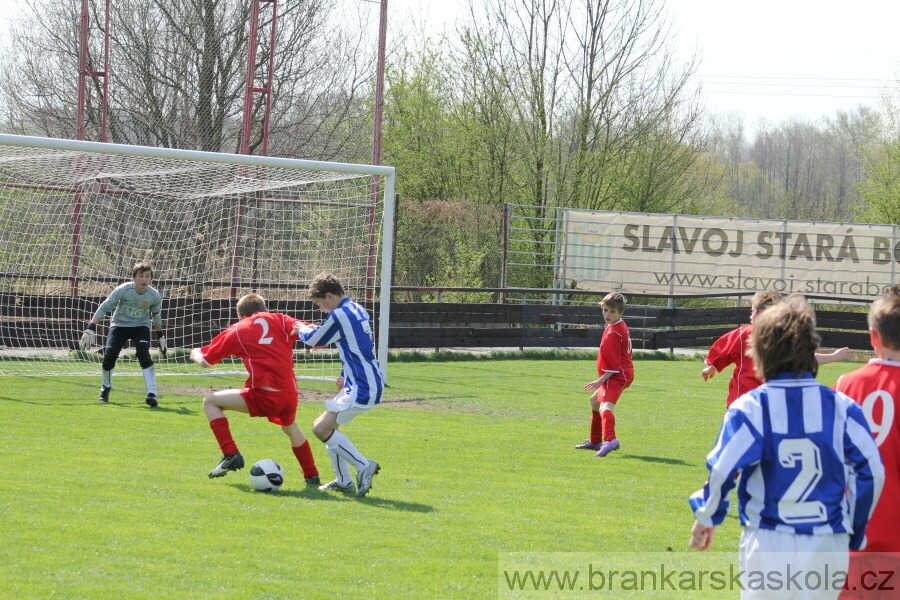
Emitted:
<point x="113" y="501"/>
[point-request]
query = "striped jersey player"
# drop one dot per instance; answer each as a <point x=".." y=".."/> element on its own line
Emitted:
<point x="810" y="471"/>
<point x="361" y="383"/>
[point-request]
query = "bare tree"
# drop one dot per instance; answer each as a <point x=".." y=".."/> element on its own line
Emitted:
<point x="178" y="70"/>
<point x="596" y="101"/>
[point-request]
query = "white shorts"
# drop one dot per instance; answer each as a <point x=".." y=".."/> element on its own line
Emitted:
<point x="346" y="408"/>
<point x="787" y="565"/>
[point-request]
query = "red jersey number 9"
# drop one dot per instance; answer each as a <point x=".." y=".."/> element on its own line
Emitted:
<point x="880" y="427"/>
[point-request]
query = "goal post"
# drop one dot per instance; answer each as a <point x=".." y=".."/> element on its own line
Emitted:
<point x="75" y="216"/>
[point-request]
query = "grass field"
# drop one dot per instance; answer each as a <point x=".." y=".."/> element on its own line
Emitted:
<point x="478" y="464"/>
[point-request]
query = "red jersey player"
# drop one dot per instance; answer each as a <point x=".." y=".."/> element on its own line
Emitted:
<point x="732" y="348"/>
<point x="876" y="387"/>
<point x="265" y="343"/>
<point x="616" y="373"/>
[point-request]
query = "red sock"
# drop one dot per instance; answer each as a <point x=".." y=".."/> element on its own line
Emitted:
<point x="609" y="425"/>
<point x="596" y="427"/>
<point x="222" y="432"/>
<point x="305" y="457"/>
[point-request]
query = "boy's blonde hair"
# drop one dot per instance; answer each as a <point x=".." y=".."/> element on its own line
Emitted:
<point x="884" y="317"/>
<point x="251" y="304"/>
<point x="763" y="300"/>
<point x="324" y="284"/>
<point x="784" y="339"/>
<point x="614" y="301"/>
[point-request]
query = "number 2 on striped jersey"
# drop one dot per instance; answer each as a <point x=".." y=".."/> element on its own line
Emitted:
<point x="795" y="507"/>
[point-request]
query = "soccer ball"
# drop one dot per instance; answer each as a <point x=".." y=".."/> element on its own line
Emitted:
<point x="266" y="475"/>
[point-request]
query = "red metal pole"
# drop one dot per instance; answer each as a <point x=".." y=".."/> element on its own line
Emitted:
<point x="82" y="69"/>
<point x="79" y="134"/>
<point x="268" y="88"/>
<point x="251" y="77"/>
<point x="105" y="100"/>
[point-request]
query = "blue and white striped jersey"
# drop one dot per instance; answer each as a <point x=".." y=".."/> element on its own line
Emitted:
<point x="807" y="459"/>
<point x="130" y="309"/>
<point x="348" y="326"/>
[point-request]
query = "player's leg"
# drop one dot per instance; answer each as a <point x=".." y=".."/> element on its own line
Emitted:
<point x="596" y="433"/>
<point x="115" y="341"/>
<point x="303" y="452"/>
<point x="609" y="395"/>
<point x="215" y="405"/>
<point x="324" y="428"/>
<point x="141" y="338"/>
<point x="341" y="411"/>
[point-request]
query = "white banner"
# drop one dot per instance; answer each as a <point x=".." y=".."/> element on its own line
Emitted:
<point x="681" y="254"/>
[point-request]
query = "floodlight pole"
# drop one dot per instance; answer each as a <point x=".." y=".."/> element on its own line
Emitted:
<point x="250" y="92"/>
<point x="376" y="149"/>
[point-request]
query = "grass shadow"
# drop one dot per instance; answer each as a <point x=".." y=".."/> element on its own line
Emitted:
<point x="313" y="493"/>
<point x="659" y="459"/>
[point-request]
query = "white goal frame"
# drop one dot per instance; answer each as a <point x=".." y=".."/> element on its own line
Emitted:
<point x="386" y="195"/>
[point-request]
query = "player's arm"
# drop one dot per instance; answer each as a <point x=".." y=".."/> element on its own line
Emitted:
<point x="709" y="372"/>
<point x="302" y="327"/>
<point x="726" y="350"/>
<point x="597" y="383"/>
<point x="89" y="337"/>
<point x="610" y="361"/>
<point x="198" y="357"/>
<point x="225" y="344"/>
<point x="156" y="318"/>
<point x="837" y="355"/>
<point x="738" y="446"/>
<point x="702" y="536"/>
<point x="322" y="335"/>
<point x="866" y="468"/>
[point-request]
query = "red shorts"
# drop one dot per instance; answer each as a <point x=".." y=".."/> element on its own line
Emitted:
<point x="872" y="575"/>
<point x="278" y="407"/>
<point x="610" y="393"/>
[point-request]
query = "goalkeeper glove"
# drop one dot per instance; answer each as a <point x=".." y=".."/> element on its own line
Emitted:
<point x="88" y="337"/>
<point x="161" y="342"/>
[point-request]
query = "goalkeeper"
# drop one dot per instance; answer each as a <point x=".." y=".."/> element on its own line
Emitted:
<point x="134" y="305"/>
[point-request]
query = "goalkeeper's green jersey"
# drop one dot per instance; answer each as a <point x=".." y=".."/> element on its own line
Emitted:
<point x="130" y="309"/>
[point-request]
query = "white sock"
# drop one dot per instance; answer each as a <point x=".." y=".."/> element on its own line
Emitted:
<point x="344" y="448"/>
<point x="341" y="468"/>
<point x="150" y="379"/>
<point x="107" y="378"/>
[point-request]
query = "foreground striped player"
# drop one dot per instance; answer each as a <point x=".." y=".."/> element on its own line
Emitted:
<point x="810" y="473"/>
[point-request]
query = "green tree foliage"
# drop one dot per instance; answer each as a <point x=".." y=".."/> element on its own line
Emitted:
<point x="449" y="243"/>
<point x="880" y="191"/>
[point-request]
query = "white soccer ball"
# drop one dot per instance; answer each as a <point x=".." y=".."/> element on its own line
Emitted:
<point x="266" y="475"/>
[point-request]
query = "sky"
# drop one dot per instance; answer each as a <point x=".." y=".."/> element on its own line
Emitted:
<point x="767" y="59"/>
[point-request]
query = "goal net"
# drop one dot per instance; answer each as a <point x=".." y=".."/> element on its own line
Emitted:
<point x="76" y="216"/>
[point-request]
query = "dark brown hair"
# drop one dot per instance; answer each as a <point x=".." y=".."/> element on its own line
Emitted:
<point x="251" y="304"/>
<point x="884" y="317"/>
<point x="784" y="339"/>
<point x="324" y="284"/>
<point x="140" y="267"/>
